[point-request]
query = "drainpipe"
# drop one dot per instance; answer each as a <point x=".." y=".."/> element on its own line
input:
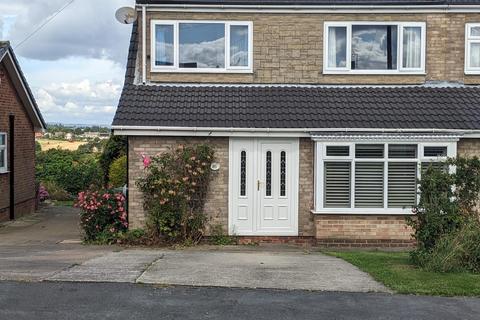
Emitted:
<point x="144" y="44"/>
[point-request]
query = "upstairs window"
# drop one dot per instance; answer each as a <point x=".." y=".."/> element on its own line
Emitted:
<point x="368" y="47"/>
<point x="3" y="152"/>
<point x="472" y="48"/>
<point x="201" y="46"/>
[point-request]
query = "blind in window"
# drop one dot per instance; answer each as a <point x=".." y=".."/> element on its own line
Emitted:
<point x="435" y="151"/>
<point x="402" y="151"/>
<point x="369" y="185"/>
<point x="435" y="165"/>
<point x="369" y="151"/>
<point x="337" y="184"/>
<point x="402" y="184"/>
<point x="338" y="151"/>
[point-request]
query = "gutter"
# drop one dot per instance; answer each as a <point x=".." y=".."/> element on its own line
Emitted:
<point x="310" y="8"/>
<point x="119" y="129"/>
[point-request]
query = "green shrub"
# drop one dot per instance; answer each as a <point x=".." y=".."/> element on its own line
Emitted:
<point x="56" y="192"/>
<point x="115" y="147"/>
<point x="174" y="189"/>
<point x="118" y="172"/>
<point x="70" y="170"/>
<point x="220" y="238"/>
<point x="446" y="222"/>
<point x="458" y="251"/>
<point x="133" y="237"/>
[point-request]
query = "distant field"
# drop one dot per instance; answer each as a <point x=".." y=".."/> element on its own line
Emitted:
<point x="48" y="144"/>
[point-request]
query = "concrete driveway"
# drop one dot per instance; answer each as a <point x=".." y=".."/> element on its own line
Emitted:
<point x="36" y="247"/>
<point x="46" y="246"/>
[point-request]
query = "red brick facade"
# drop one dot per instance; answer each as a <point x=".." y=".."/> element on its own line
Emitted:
<point x="10" y="104"/>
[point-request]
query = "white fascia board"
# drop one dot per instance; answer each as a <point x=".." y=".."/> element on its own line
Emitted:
<point x="281" y="132"/>
<point x="314" y="8"/>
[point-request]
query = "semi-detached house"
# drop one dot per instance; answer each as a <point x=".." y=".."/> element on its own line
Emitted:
<point x="322" y="113"/>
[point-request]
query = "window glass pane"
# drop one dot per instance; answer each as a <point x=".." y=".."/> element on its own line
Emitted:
<point x="338" y="151"/>
<point x="435" y="165"/>
<point x="239" y="46"/>
<point x="369" y="185"/>
<point x="435" y="151"/>
<point x="2" y="139"/>
<point x="2" y="158"/>
<point x="369" y="150"/>
<point x="412" y="47"/>
<point x="374" y="47"/>
<point x="164" y="45"/>
<point x="243" y="173"/>
<point x="398" y="151"/>
<point x="475" y="31"/>
<point x="475" y="55"/>
<point x="337" y="47"/>
<point x="268" y="174"/>
<point x="337" y="185"/>
<point x="202" y="45"/>
<point x="283" y="173"/>
<point x="402" y="184"/>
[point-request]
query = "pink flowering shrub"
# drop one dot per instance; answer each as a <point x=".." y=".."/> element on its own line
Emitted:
<point x="103" y="215"/>
<point x="174" y="188"/>
<point x="42" y="193"/>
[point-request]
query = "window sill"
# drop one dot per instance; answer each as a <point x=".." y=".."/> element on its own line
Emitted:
<point x="233" y="71"/>
<point x="376" y="211"/>
<point x="375" y="72"/>
<point x="4" y="171"/>
<point x="472" y="73"/>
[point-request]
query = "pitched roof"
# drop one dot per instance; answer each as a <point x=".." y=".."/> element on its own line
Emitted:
<point x="312" y="2"/>
<point x="8" y="57"/>
<point x="250" y="106"/>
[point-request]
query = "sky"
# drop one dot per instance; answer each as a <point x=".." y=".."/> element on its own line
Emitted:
<point x="75" y="64"/>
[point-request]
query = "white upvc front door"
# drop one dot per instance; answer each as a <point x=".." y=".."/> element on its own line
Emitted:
<point x="263" y="186"/>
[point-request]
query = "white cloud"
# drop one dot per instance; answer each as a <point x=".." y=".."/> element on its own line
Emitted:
<point x="79" y="102"/>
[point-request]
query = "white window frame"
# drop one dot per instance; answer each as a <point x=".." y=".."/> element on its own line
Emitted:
<point x="321" y="157"/>
<point x="176" y="48"/>
<point x="347" y="69"/>
<point x="469" y="39"/>
<point x="4" y="169"/>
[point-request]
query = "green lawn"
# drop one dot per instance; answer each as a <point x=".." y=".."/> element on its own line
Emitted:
<point x="395" y="271"/>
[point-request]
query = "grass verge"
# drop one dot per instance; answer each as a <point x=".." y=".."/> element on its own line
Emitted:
<point x="395" y="271"/>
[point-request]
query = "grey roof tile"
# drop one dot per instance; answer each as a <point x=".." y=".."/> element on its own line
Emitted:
<point x="299" y="107"/>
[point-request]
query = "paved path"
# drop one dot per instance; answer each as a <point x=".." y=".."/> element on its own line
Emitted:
<point x="62" y="300"/>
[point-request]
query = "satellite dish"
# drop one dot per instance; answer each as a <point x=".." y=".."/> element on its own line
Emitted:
<point x="126" y="15"/>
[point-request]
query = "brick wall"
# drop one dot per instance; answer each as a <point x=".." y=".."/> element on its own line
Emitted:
<point x="216" y="205"/>
<point x="10" y="104"/>
<point x="468" y="147"/>
<point x="288" y="48"/>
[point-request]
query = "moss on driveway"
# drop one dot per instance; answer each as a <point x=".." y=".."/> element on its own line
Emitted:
<point x="395" y="271"/>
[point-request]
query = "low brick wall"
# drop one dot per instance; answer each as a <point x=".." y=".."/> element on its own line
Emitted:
<point x="362" y="230"/>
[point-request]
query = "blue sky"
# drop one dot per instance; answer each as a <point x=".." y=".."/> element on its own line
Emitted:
<point x="75" y="64"/>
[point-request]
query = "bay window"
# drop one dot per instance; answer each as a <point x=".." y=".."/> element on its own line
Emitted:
<point x="3" y="152"/>
<point x="201" y="46"/>
<point x="373" y="178"/>
<point x="472" y="48"/>
<point x="374" y="47"/>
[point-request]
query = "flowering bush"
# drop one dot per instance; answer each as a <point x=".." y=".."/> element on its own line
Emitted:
<point x="103" y="215"/>
<point x="174" y="189"/>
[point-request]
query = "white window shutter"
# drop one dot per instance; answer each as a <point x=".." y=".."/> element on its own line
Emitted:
<point x="369" y="184"/>
<point x="402" y="184"/>
<point x="337" y="184"/>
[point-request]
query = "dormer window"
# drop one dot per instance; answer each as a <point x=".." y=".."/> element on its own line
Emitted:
<point x="201" y="46"/>
<point x="472" y="48"/>
<point x="374" y="47"/>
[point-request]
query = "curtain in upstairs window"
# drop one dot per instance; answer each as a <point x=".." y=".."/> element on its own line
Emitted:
<point x="475" y="55"/>
<point x="337" y="47"/>
<point x="412" y="47"/>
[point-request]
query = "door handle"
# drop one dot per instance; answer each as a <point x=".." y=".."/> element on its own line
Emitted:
<point x="258" y="185"/>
